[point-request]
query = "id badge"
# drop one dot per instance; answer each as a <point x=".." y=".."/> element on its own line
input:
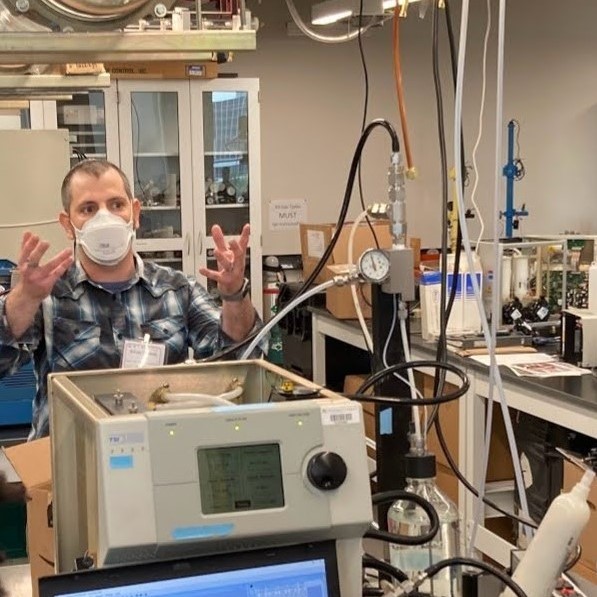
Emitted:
<point x="143" y="353"/>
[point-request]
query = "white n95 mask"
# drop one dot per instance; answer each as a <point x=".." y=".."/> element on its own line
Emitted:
<point x="105" y="238"/>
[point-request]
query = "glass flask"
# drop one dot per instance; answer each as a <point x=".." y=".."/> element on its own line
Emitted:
<point x="407" y="518"/>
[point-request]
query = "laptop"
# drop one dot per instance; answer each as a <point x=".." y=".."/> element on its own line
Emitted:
<point x="309" y="569"/>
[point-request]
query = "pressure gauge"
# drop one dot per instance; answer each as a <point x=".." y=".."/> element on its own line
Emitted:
<point x="374" y="265"/>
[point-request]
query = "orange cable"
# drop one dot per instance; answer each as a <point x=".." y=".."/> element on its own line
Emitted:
<point x="399" y="89"/>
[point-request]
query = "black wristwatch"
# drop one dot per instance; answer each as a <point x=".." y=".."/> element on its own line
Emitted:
<point x="240" y="295"/>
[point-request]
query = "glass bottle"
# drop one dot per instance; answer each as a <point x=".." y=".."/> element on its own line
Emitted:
<point x="407" y="518"/>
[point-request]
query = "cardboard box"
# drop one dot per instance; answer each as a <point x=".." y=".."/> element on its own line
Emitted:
<point x="315" y="238"/>
<point x="162" y="70"/>
<point x="32" y="462"/>
<point x="500" y="467"/>
<point x="585" y="572"/>
<point x="447" y="481"/>
<point x="588" y="539"/>
<point x="338" y="299"/>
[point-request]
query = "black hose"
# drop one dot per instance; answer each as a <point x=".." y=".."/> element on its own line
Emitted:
<point x="381" y="566"/>
<point x="373" y="379"/>
<point x="469" y="562"/>
<point x="341" y="219"/>
<point x="390" y="496"/>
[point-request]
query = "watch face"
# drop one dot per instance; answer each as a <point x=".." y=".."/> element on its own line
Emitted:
<point x="213" y="187"/>
<point x="230" y="190"/>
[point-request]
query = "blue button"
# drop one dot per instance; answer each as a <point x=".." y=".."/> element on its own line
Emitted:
<point x="121" y="462"/>
<point x="202" y="532"/>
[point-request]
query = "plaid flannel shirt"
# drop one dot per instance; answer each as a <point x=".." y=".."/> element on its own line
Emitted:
<point x="82" y="326"/>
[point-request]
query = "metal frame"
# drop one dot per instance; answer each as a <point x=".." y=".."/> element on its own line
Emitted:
<point x="58" y="48"/>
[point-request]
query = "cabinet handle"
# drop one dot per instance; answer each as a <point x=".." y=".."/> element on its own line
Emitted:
<point x="187" y="241"/>
<point x="200" y="242"/>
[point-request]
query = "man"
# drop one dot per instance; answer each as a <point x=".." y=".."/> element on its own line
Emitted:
<point x="82" y="311"/>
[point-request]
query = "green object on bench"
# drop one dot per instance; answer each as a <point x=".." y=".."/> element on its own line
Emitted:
<point x="13" y="520"/>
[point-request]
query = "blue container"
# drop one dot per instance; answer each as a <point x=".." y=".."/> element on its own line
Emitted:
<point x="16" y="396"/>
<point x="6" y="267"/>
<point x="16" y="391"/>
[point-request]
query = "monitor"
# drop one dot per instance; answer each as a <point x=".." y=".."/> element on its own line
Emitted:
<point x="308" y="570"/>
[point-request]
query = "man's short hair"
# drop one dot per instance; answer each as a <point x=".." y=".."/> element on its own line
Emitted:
<point x="91" y="167"/>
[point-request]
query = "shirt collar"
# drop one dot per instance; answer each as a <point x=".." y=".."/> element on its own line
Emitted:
<point x="79" y="276"/>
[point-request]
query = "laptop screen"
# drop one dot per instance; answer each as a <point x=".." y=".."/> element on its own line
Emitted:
<point x="304" y="570"/>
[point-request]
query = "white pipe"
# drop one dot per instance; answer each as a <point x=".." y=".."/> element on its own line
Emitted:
<point x="416" y="413"/>
<point x="410" y="382"/>
<point x="274" y="320"/>
<point x="353" y="289"/>
<point x="223" y="399"/>
<point x="467" y="244"/>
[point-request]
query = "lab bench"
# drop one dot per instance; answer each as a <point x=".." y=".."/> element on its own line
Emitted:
<point x="570" y="402"/>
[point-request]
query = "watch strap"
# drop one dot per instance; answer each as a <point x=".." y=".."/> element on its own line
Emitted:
<point x="237" y="296"/>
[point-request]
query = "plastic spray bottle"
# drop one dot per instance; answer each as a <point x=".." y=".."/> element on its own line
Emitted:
<point x="554" y="540"/>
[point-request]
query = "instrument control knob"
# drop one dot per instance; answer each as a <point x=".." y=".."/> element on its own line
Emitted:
<point x="326" y="470"/>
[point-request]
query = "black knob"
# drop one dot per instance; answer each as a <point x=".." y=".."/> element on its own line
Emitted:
<point x="326" y="470"/>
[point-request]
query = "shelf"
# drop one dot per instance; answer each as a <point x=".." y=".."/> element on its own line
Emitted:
<point x="97" y="156"/>
<point x="165" y="259"/>
<point x="160" y="207"/>
<point x="227" y="206"/>
<point x="224" y="153"/>
<point x="151" y="154"/>
<point x="34" y="47"/>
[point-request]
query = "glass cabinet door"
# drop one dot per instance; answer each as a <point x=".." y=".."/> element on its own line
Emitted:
<point x="156" y="162"/>
<point x="154" y="115"/>
<point x="226" y="160"/>
<point x="84" y="116"/>
<point x="226" y="177"/>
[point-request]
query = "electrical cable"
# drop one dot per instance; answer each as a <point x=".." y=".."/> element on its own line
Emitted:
<point x="340" y="223"/>
<point x="470" y="487"/>
<point x="518" y="163"/>
<point x="353" y="291"/>
<point x="433" y="418"/>
<point x="381" y="566"/>
<point x="348" y="191"/>
<point x="365" y="109"/>
<point x="471" y="563"/>
<point x="399" y="89"/>
<point x="489" y="338"/>
<point x="480" y="133"/>
<point x="374" y="378"/>
<point x="28" y="224"/>
<point x="574" y="559"/>
<point x="136" y="165"/>
<point x="402" y="315"/>
<point x="391" y="496"/>
<point x="298" y="298"/>
<point x="444" y="182"/>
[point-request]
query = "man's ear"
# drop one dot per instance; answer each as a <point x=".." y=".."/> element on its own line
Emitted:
<point x="136" y="212"/>
<point x="64" y="220"/>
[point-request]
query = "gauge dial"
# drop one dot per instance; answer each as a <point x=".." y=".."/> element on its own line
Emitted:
<point x="374" y="265"/>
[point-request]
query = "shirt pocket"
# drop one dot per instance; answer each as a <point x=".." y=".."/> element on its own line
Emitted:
<point x="171" y="331"/>
<point x="76" y="345"/>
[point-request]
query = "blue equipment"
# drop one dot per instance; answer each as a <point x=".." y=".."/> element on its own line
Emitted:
<point x="513" y="170"/>
<point x="17" y="391"/>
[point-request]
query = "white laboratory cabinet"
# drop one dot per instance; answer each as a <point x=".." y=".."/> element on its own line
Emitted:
<point x="191" y="151"/>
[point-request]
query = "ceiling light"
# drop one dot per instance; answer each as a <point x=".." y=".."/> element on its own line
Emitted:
<point x="331" y="11"/>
